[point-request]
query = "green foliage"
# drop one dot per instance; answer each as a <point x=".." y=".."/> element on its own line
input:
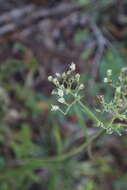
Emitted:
<point x="24" y="148"/>
<point x="84" y="2"/>
<point x="22" y="143"/>
<point x="35" y="147"/>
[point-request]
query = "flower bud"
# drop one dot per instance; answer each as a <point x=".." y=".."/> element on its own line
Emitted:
<point x="55" y="81"/>
<point x="77" y="76"/>
<point x="53" y="92"/>
<point x="60" y="92"/>
<point x="81" y="86"/>
<point x="64" y="75"/>
<point x="50" y="78"/>
<point x="105" y="80"/>
<point x="72" y="67"/>
<point x="118" y="90"/>
<point x="58" y="74"/>
<point x="109" y="72"/>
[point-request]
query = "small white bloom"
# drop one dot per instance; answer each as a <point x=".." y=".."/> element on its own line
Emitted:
<point x="50" y="78"/>
<point x="72" y="67"/>
<point x="62" y="86"/>
<point x="54" y="108"/>
<point x="109" y="72"/>
<point x="77" y="76"/>
<point x="64" y="75"/>
<point x="60" y="92"/>
<point x="105" y="80"/>
<point x="118" y="90"/>
<point x="55" y="81"/>
<point x="53" y="92"/>
<point x="61" y="100"/>
<point x="58" y="74"/>
<point x="81" y="86"/>
<point x="68" y="72"/>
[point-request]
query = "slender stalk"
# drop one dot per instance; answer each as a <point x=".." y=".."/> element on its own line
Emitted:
<point x="33" y="163"/>
<point x="77" y="150"/>
<point x="74" y="151"/>
<point x="89" y="113"/>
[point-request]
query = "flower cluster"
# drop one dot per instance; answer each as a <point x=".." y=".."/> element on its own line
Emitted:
<point x="117" y="106"/>
<point x="66" y="83"/>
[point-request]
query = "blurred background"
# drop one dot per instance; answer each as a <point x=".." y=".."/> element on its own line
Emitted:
<point x="39" y="38"/>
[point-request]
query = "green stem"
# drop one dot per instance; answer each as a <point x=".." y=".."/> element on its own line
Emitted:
<point x="33" y="163"/>
<point x="67" y="155"/>
<point x="75" y="150"/>
<point x="119" y="124"/>
<point x="89" y="113"/>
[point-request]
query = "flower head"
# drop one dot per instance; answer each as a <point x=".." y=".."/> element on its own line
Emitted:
<point x="67" y="88"/>
<point x="60" y="92"/>
<point x="55" y="81"/>
<point x="50" y="78"/>
<point x="105" y="80"/>
<point x="77" y="76"/>
<point x="109" y="72"/>
<point x="81" y="86"/>
<point x="58" y="74"/>
<point x="72" y="67"/>
<point x="54" y="92"/>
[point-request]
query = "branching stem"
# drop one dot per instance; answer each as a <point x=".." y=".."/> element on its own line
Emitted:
<point x="90" y="114"/>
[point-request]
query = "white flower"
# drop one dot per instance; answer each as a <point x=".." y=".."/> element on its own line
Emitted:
<point x="60" y="92"/>
<point x="81" y="86"/>
<point x="105" y="80"/>
<point x="68" y="72"/>
<point x="53" y="92"/>
<point x="62" y="86"/>
<point x="54" y="108"/>
<point x="58" y="74"/>
<point x="109" y="72"/>
<point x="72" y="67"/>
<point x="55" y="81"/>
<point x="61" y="100"/>
<point x="64" y="75"/>
<point x="77" y="76"/>
<point x="118" y="90"/>
<point x="50" y="78"/>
